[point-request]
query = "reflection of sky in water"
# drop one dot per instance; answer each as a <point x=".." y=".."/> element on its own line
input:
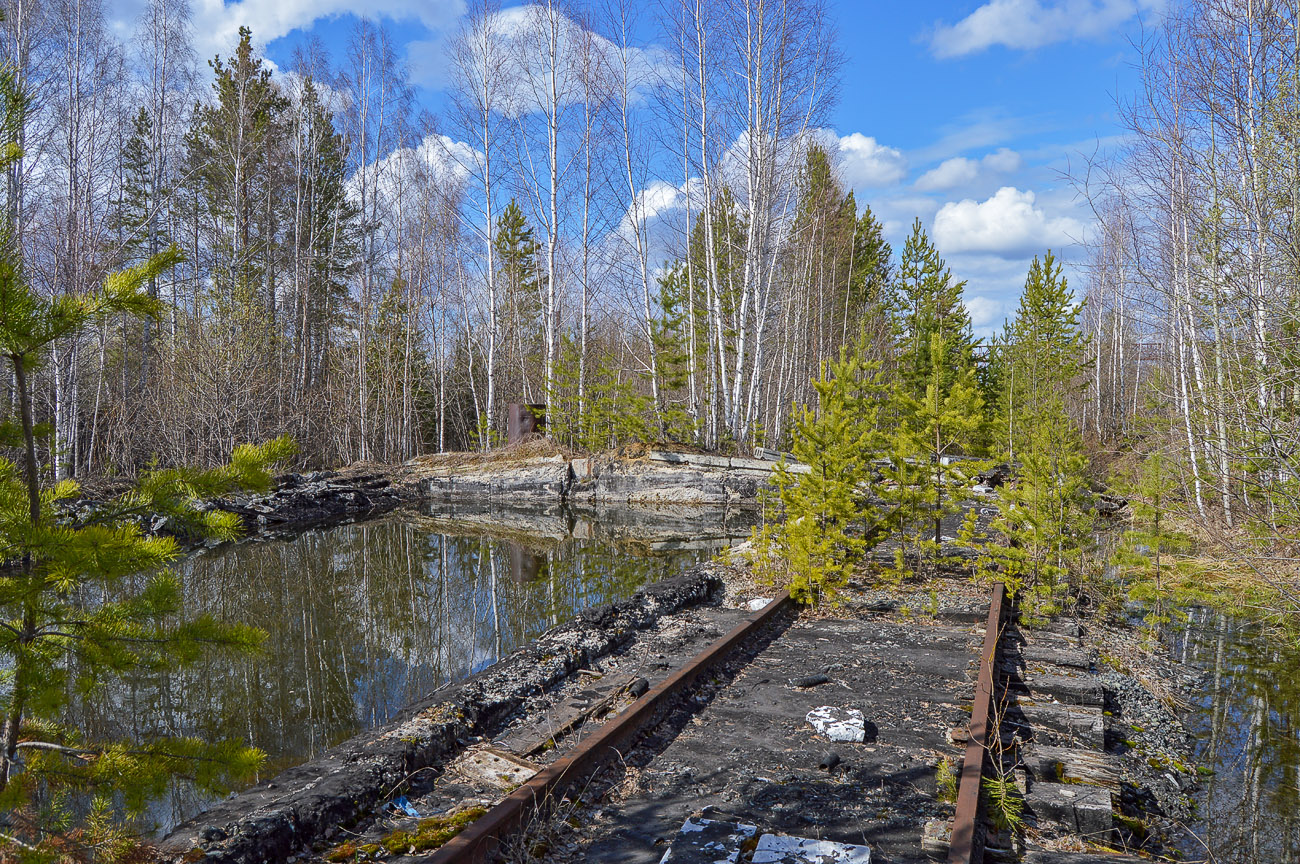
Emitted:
<point x="364" y="619"/>
<point x="1246" y="722"/>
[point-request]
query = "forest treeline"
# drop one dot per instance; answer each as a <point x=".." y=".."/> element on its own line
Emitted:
<point x="633" y="216"/>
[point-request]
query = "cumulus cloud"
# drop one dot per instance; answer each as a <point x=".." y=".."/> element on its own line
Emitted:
<point x="1007" y="223"/>
<point x="960" y="171"/>
<point x="523" y="38"/>
<point x="1027" y="24"/>
<point x="439" y="160"/>
<point x="866" y="163"/>
<point x="985" y="312"/>
<point x="216" y="22"/>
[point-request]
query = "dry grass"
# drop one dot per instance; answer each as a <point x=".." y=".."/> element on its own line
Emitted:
<point x="532" y="447"/>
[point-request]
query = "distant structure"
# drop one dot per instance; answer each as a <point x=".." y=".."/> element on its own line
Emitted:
<point x="523" y="420"/>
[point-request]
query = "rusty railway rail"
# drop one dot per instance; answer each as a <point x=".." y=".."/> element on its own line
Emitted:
<point x="481" y="839"/>
<point x="967" y="843"/>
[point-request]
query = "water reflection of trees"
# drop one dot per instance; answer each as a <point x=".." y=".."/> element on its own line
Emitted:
<point x="1247" y="726"/>
<point x="361" y="620"/>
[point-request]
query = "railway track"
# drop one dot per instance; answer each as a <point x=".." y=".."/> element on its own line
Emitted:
<point x="611" y="742"/>
<point x="708" y="721"/>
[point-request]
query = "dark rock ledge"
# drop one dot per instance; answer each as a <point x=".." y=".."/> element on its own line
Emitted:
<point x="303" y="805"/>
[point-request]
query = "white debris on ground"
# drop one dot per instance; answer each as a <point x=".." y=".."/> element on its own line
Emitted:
<point x="709" y="840"/>
<point x="838" y="724"/>
<point x="780" y="849"/>
<point x="718" y="842"/>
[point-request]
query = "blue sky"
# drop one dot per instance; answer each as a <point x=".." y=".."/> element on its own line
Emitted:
<point x="963" y="113"/>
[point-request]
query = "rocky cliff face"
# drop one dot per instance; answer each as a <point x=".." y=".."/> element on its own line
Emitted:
<point x="660" y="479"/>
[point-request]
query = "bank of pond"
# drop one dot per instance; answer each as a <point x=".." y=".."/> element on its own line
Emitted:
<point x="365" y="618"/>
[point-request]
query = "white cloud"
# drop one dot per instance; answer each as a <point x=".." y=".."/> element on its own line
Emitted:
<point x="867" y="164"/>
<point x="985" y="312"/>
<point x="957" y="171"/>
<point x="525" y="37"/>
<point x="1027" y="24"/>
<point x="1009" y="223"/>
<point x="1003" y="160"/>
<point x="439" y="160"/>
<point x="960" y="171"/>
<point x="216" y="23"/>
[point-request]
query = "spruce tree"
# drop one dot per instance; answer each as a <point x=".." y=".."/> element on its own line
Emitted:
<point x="329" y="238"/>
<point x="670" y="332"/>
<point x="516" y="249"/>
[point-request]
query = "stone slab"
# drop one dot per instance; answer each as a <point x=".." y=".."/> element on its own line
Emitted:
<point x="838" y="724"/>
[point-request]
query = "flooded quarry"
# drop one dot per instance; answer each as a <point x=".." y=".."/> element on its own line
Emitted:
<point x="446" y="677"/>
<point x="363" y="619"/>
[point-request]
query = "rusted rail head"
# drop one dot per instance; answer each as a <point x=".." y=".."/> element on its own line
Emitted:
<point x="967" y="844"/>
<point x="477" y="842"/>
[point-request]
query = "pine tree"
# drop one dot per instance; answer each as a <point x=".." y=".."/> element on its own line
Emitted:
<point x="234" y="149"/>
<point x="946" y="421"/>
<point x="1042" y="353"/>
<point x="870" y="273"/>
<point x="1045" y="522"/>
<point x="927" y="300"/>
<point x="81" y="604"/>
<point x="806" y="542"/>
<point x="1147" y="554"/>
<point x="72" y="616"/>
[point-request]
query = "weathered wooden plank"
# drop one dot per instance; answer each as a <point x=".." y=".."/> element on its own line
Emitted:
<point x="1083" y="723"/>
<point x="1039" y="654"/>
<point x="496" y="767"/>
<point x="1070" y="765"/>
<point x="1085" y="810"/>
<point x="1082" y="690"/>
<point x="591" y="701"/>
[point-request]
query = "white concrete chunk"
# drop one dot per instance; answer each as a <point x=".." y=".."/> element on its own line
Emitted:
<point x="838" y="724"/>
<point x="708" y="841"/>
<point x="779" y="849"/>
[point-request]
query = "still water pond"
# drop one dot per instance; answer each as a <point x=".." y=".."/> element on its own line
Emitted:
<point x="363" y="619"/>
<point x="1246" y="722"/>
